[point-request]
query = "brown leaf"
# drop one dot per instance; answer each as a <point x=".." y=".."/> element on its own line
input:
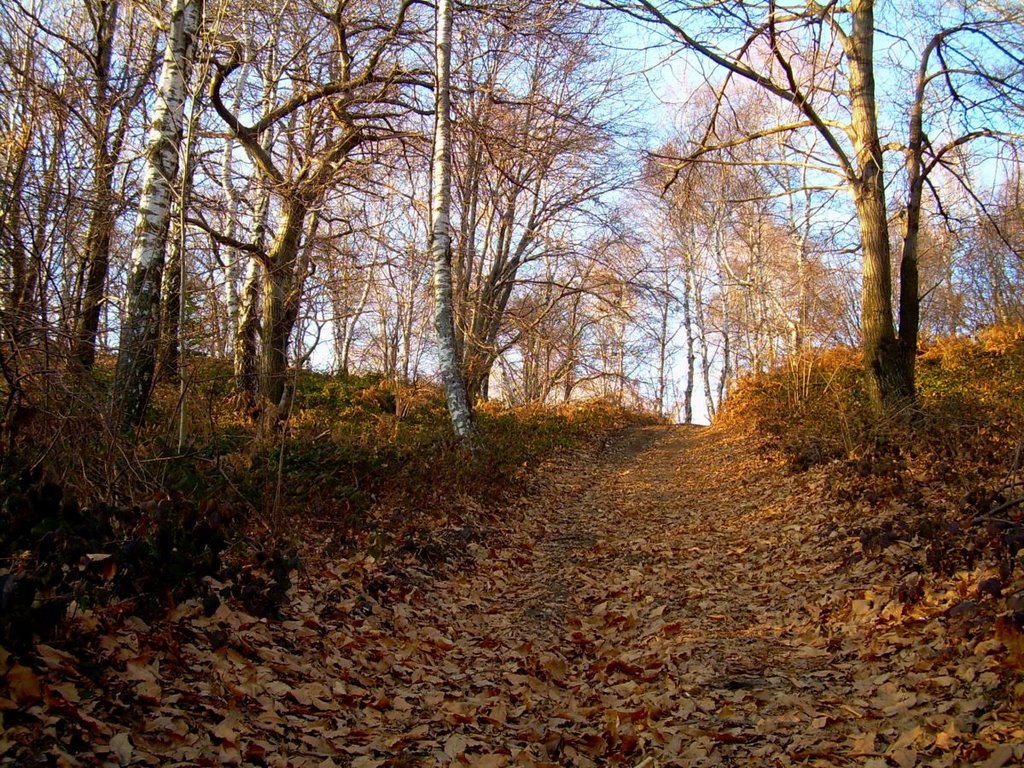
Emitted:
<point x="455" y="745"/>
<point x="226" y="731"/>
<point x="1000" y="756"/>
<point x="121" y="746"/>
<point x="23" y="684"/>
<point x="863" y="743"/>
<point x="904" y="758"/>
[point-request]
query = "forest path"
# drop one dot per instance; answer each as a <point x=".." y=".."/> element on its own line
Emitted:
<point x="675" y="599"/>
<point x="664" y="603"/>
<point x="681" y="600"/>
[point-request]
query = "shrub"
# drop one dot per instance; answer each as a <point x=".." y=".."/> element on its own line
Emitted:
<point x="970" y="404"/>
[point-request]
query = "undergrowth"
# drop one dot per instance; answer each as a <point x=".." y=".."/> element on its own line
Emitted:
<point x="967" y="419"/>
<point x="944" y="479"/>
<point x="91" y="519"/>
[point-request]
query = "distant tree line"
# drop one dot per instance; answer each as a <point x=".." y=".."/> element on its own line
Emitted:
<point x="285" y="184"/>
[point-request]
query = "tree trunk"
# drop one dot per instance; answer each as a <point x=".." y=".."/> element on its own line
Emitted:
<point x="172" y="297"/>
<point x="689" y="288"/>
<point x="705" y="356"/>
<point x="246" y="333"/>
<point x="890" y="375"/>
<point x="440" y="236"/>
<point x="101" y="221"/>
<point x="280" y="307"/>
<point x="170" y="302"/>
<point x="33" y="286"/>
<point x="910" y="296"/>
<point x="140" y="334"/>
<point x="726" y="372"/>
<point x="18" y="144"/>
<point x="247" y="329"/>
<point x="13" y="241"/>
<point x="476" y="373"/>
<point x="662" y="355"/>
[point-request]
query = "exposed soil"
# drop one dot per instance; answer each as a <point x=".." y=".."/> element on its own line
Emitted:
<point x="675" y="599"/>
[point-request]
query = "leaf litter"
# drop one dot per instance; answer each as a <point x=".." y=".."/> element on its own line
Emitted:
<point x="674" y="600"/>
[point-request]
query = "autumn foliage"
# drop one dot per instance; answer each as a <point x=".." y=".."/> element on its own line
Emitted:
<point x="91" y="520"/>
<point x="970" y="403"/>
<point x="795" y="585"/>
<point x="937" y="491"/>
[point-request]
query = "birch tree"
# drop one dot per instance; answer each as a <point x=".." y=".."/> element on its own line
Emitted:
<point x="140" y="333"/>
<point x="440" y="217"/>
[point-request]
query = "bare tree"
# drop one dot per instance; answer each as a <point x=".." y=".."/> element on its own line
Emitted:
<point x="798" y="54"/>
<point x="440" y="238"/>
<point x="534" y="159"/>
<point x="139" y="336"/>
<point x="108" y="142"/>
<point x="350" y="106"/>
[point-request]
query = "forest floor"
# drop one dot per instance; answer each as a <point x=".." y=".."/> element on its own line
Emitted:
<point x="673" y="598"/>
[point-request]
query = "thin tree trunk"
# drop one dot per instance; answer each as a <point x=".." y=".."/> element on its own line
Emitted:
<point x="246" y="333"/>
<point x="172" y="298"/>
<point x="440" y="237"/>
<point x="234" y="269"/>
<point x="101" y="222"/>
<point x="910" y="297"/>
<point x="247" y="330"/>
<point x="689" y="288"/>
<point x="723" y="278"/>
<point x="31" y="297"/>
<point x="140" y="334"/>
<point x="700" y="321"/>
<point x="18" y="144"/>
<point x="18" y="253"/>
<point x="170" y="301"/>
<point x="662" y="355"/>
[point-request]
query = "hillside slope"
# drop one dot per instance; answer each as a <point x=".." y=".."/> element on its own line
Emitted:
<point x="676" y="598"/>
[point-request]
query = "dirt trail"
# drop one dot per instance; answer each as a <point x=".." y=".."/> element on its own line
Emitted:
<point x="675" y="600"/>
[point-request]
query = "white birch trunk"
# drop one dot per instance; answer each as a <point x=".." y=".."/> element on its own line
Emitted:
<point x="440" y="235"/>
<point x="689" y="288"/>
<point x="140" y="332"/>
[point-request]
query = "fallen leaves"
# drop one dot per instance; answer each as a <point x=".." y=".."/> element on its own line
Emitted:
<point x="678" y="602"/>
<point x="22" y="688"/>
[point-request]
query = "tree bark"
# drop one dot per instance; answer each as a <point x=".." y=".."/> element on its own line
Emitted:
<point x="280" y="304"/>
<point x="889" y="378"/>
<point x="233" y="269"/>
<point x="247" y="330"/>
<point x="136" y="361"/>
<point x="440" y="236"/>
<point x="172" y="297"/>
<point x="246" y="334"/>
<point x="101" y="221"/>
<point x="689" y="288"/>
<point x="12" y="316"/>
<point x="910" y="296"/>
